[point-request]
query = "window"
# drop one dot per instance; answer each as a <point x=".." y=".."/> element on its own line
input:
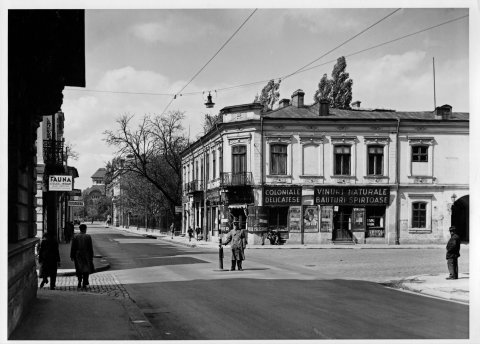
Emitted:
<point x="278" y="159"/>
<point x="419" y="215"/>
<point x="239" y="159"/>
<point x="342" y="160"/>
<point x="214" y="164"/>
<point x="207" y="167"/>
<point x="195" y="177"/>
<point x="278" y="217"/>
<point x="220" y="160"/>
<point x="420" y="153"/>
<point x="375" y="160"/>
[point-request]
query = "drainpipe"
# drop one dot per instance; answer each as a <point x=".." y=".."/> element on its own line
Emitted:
<point x="397" y="179"/>
<point x="204" y="175"/>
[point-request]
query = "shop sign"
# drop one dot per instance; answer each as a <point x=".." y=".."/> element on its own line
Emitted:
<point x="178" y="209"/>
<point x="75" y="203"/>
<point x="352" y="195"/>
<point x="295" y="219"/>
<point x="310" y="218"/>
<point x="282" y="195"/>
<point x="60" y="183"/>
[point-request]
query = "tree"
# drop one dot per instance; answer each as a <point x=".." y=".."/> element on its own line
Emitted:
<point x="152" y="151"/>
<point x="70" y="152"/>
<point x="269" y="95"/>
<point x="337" y="90"/>
<point x="210" y="121"/>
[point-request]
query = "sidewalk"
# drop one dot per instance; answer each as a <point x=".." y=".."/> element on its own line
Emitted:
<point x="431" y="285"/>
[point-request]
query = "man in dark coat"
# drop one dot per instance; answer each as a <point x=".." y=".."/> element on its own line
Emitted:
<point x="239" y="241"/>
<point x="49" y="259"/>
<point x="81" y="252"/>
<point x="453" y="252"/>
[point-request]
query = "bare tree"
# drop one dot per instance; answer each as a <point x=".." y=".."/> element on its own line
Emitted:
<point x="152" y="151"/>
<point x="70" y="152"/>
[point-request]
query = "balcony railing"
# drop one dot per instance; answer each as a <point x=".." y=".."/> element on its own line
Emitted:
<point x="236" y="179"/>
<point x="53" y="156"/>
<point x="194" y="186"/>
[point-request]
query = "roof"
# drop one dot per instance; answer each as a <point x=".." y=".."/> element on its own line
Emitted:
<point x="312" y="111"/>
<point x="99" y="188"/>
<point x="100" y="173"/>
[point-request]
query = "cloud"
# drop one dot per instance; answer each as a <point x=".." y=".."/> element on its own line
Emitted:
<point x="178" y="31"/>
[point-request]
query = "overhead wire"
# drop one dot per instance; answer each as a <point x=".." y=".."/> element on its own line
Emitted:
<point x="342" y="44"/>
<point x="206" y="64"/>
<point x="297" y="72"/>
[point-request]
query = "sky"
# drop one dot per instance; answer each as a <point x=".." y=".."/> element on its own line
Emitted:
<point x="160" y="50"/>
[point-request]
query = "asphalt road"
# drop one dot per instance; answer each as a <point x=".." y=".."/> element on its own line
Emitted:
<point x="285" y="294"/>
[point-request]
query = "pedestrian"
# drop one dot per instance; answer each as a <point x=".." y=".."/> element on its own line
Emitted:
<point x="49" y="259"/>
<point x="81" y="253"/>
<point x="453" y="252"/>
<point x="190" y="233"/>
<point x="239" y="241"/>
<point x="197" y="231"/>
<point x="172" y="229"/>
<point x="68" y="231"/>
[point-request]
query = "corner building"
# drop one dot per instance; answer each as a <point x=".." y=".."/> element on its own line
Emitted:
<point x="322" y="176"/>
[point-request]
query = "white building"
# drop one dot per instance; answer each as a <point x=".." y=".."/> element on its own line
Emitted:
<point x="321" y="175"/>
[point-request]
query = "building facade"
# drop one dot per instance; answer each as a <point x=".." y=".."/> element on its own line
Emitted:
<point x="35" y="84"/>
<point x="320" y="175"/>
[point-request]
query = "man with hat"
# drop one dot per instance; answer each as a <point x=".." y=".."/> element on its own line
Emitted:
<point x="239" y="241"/>
<point x="453" y="252"/>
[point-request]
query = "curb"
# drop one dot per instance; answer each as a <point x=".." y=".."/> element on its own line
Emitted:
<point x="99" y="267"/>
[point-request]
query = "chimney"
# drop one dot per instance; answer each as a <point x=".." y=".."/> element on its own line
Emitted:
<point x="324" y="107"/>
<point x="443" y="112"/>
<point x="297" y="98"/>
<point x="283" y="103"/>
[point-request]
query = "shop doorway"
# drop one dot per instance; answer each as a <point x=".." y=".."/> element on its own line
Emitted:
<point x="460" y="218"/>
<point x="342" y="224"/>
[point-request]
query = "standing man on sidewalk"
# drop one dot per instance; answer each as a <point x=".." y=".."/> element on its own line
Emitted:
<point x="453" y="252"/>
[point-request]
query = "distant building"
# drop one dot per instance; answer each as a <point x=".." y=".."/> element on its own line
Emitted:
<point x="321" y="175"/>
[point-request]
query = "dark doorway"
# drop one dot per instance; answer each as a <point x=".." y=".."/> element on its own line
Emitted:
<point x="460" y="218"/>
<point x="342" y="224"/>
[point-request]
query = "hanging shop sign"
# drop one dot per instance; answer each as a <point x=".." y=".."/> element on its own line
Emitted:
<point x="352" y="195"/>
<point x="178" y="209"/>
<point x="282" y="195"/>
<point x="60" y="183"/>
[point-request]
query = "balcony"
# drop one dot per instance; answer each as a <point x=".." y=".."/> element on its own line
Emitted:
<point x="236" y="179"/>
<point x="53" y="152"/>
<point x="193" y="186"/>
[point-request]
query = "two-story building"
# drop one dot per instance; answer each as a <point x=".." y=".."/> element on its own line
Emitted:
<point x="322" y="175"/>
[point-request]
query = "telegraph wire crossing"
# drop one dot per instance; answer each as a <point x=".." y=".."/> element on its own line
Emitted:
<point x="302" y="70"/>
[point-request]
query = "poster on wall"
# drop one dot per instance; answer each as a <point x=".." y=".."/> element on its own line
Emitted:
<point x="326" y="218"/>
<point x="310" y="219"/>
<point x="295" y="219"/>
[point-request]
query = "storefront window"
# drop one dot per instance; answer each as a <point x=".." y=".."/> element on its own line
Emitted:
<point x="278" y="217"/>
<point x="239" y="159"/>
<point x="375" y="160"/>
<point x="419" y="215"/>
<point x="278" y="159"/>
<point x="342" y="160"/>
